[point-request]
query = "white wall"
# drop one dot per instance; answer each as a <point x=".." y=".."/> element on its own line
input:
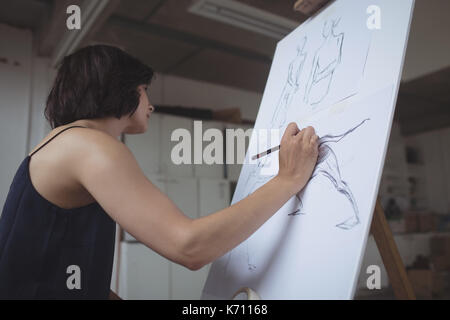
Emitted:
<point x="15" y="91"/>
<point x="171" y="90"/>
<point x="24" y="84"/>
<point x="434" y="147"/>
<point x="428" y="46"/>
<point x="41" y="79"/>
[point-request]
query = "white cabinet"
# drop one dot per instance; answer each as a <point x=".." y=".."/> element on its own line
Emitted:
<point x="233" y="169"/>
<point x="160" y="182"/>
<point x="183" y="192"/>
<point x="198" y="190"/>
<point x="146" y="147"/>
<point x="205" y="170"/>
<point x="144" y="274"/>
<point x="168" y="125"/>
<point x="214" y="195"/>
<point x="187" y="284"/>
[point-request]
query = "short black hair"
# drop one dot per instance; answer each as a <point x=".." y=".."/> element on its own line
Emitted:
<point x="94" y="82"/>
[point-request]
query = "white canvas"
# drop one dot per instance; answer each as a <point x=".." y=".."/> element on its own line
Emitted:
<point x="336" y="75"/>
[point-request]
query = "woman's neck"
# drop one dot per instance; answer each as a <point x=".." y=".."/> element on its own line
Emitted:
<point x="113" y="127"/>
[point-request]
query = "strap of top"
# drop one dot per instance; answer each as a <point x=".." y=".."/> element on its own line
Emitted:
<point x="55" y="137"/>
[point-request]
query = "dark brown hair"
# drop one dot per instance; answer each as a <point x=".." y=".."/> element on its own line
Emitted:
<point x="95" y="82"/>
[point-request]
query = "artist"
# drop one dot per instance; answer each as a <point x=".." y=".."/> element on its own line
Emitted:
<point x="57" y="228"/>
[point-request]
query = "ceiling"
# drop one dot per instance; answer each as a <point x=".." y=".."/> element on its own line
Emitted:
<point x="173" y="41"/>
<point x="27" y="14"/>
<point x="163" y="34"/>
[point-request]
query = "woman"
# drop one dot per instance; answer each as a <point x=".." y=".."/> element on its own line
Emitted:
<point x="58" y="223"/>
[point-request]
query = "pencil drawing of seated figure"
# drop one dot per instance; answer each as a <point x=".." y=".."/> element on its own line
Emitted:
<point x="291" y="87"/>
<point x="326" y="60"/>
<point x="328" y="166"/>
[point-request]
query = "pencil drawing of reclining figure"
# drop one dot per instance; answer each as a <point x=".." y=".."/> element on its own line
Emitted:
<point x="328" y="166"/>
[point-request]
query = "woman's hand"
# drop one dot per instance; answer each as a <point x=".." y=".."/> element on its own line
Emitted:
<point x="298" y="155"/>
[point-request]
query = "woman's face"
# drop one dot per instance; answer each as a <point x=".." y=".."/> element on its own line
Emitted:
<point x="139" y="119"/>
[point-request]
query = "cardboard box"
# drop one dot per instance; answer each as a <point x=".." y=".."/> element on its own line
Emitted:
<point x="427" y="222"/>
<point x="441" y="263"/>
<point x="440" y="245"/>
<point x="411" y="222"/>
<point x="440" y="283"/>
<point x="397" y="226"/>
<point x="428" y="284"/>
<point x="422" y="282"/>
<point x="443" y="223"/>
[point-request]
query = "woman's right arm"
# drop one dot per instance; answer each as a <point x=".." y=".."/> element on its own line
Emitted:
<point x="112" y="176"/>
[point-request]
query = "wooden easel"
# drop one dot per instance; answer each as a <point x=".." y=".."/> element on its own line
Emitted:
<point x="380" y="229"/>
<point x="390" y="255"/>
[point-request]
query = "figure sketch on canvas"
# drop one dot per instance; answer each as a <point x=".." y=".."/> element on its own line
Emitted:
<point x="291" y="87"/>
<point x="255" y="177"/>
<point x="254" y="180"/>
<point x="326" y="60"/>
<point x="328" y="166"/>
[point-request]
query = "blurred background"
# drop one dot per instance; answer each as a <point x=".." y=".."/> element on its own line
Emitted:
<point x="212" y="60"/>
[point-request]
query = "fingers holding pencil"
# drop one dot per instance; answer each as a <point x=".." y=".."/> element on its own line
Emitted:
<point x="298" y="155"/>
<point x="293" y="131"/>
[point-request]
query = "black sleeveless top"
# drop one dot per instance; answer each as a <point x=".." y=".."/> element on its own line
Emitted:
<point x="47" y="252"/>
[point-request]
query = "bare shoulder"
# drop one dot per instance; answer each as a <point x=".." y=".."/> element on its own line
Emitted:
<point x="77" y="138"/>
<point x="96" y="141"/>
<point x="85" y="150"/>
<point x="62" y="161"/>
<point x="96" y="148"/>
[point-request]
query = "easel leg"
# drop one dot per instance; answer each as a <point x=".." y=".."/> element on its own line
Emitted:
<point x="390" y="255"/>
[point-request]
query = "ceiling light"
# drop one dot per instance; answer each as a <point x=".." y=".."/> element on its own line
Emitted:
<point x="244" y="16"/>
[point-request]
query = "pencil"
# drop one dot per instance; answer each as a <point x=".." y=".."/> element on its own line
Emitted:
<point x="262" y="154"/>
